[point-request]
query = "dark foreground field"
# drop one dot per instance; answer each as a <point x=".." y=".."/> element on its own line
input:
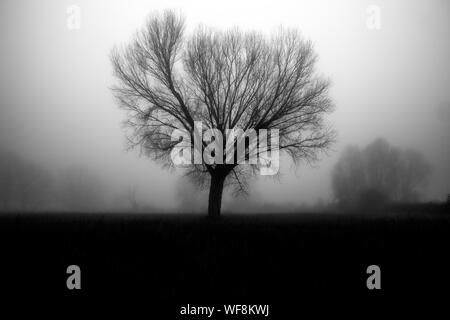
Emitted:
<point x="286" y="261"/>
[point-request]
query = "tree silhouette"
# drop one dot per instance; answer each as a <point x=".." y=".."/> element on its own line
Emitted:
<point x="378" y="174"/>
<point x="349" y="176"/>
<point x="226" y="79"/>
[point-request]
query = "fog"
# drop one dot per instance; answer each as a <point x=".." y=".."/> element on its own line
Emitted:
<point x="57" y="109"/>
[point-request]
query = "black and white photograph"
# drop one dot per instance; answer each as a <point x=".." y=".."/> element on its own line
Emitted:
<point x="225" y="159"/>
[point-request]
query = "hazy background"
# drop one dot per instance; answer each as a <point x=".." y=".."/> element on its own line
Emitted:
<point x="56" y="107"/>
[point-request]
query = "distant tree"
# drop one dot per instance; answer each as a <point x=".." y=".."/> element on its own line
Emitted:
<point x="80" y="189"/>
<point x="7" y="175"/>
<point x="35" y="187"/>
<point x="372" y="200"/>
<point x="378" y="174"/>
<point x="132" y="200"/>
<point x="383" y="168"/>
<point x="227" y="80"/>
<point x="415" y="171"/>
<point x="349" y="176"/>
<point x="24" y="185"/>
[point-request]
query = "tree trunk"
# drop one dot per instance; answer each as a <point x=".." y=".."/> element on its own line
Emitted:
<point x="215" y="195"/>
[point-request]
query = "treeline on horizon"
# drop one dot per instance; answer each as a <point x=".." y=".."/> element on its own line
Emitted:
<point x="28" y="186"/>
<point x="377" y="178"/>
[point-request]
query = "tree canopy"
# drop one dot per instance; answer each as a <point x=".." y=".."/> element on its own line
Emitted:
<point x="380" y="170"/>
<point x="226" y="79"/>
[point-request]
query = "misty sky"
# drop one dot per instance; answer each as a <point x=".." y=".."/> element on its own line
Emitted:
<point x="56" y="106"/>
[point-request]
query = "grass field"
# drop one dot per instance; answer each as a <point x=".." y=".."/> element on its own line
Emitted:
<point x="239" y="259"/>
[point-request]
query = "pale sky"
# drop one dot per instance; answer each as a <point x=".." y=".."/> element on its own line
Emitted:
<point x="391" y="82"/>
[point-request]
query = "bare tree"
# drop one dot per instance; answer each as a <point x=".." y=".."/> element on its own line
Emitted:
<point x="226" y="79"/>
<point x="349" y="176"/>
<point x="379" y="173"/>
